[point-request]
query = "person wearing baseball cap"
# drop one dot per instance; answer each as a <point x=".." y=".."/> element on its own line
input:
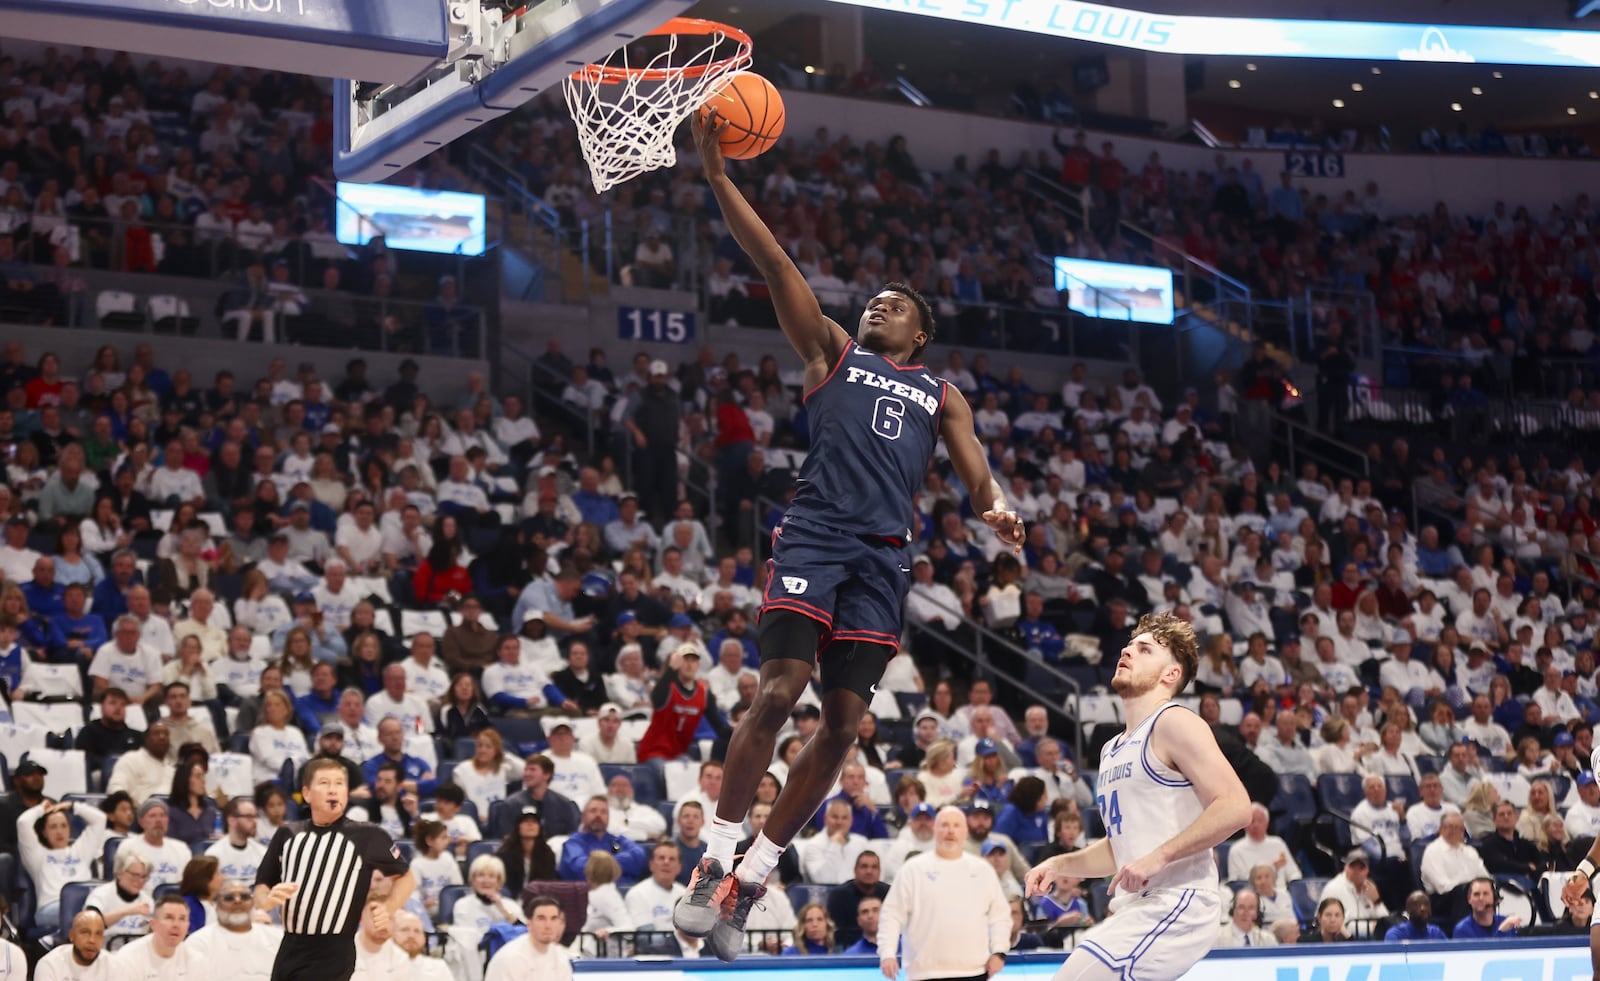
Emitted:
<point x="606" y="744"/>
<point x="914" y="839"/>
<point x="680" y="700"/>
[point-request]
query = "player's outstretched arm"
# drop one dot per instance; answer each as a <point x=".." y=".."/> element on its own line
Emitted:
<point x="1187" y="744"/>
<point x="818" y="340"/>
<point x="1092" y="862"/>
<point x="972" y="466"/>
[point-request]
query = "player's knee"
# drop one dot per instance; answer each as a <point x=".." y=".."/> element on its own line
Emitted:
<point x="838" y="732"/>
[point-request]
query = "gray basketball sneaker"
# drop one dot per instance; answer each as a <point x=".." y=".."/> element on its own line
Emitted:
<point x="726" y="939"/>
<point x="700" y="907"/>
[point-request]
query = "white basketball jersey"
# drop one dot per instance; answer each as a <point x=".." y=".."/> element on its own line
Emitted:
<point x="1143" y="803"/>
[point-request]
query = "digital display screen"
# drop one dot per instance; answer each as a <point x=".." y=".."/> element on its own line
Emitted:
<point x="411" y="219"/>
<point x="1114" y="291"/>
<point x="1266" y="37"/>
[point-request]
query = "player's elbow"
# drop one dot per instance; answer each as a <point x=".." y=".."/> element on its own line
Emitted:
<point x="1236" y="806"/>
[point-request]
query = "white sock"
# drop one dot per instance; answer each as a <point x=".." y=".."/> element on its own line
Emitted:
<point x="760" y="860"/>
<point x="722" y="837"/>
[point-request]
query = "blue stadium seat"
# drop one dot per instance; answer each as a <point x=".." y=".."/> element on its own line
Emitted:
<point x="464" y="748"/>
<point x="447" y="902"/>
<point x="407" y="850"/>
<point x="1404" y="788"/>
<point x="1305" y="893"/>
<point x="1221" y="853"/>
<point x="911" y="702"/>
<point x="1098" y="898"/>
<point x="1339" y="792"/>
<point x="106" y="768"/>
<point x="487" y="846"/>
<point x="1295" y="803"/>
<point x="803" y="893"/>
<point x="73" y="896"/>
<point x="1417" y="847"/>
<point x="519" y="732"/>
<point x="1431" y="764"/>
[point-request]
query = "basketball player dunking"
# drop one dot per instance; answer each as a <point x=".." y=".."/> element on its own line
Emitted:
<point x="839" y="569"/>
<point x="1166" y="795"/>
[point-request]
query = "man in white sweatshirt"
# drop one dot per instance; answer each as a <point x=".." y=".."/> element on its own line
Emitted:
<point x="955" y="919"/>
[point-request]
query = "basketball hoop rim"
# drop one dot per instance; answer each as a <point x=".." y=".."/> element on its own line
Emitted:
<point x="610" y="75"/>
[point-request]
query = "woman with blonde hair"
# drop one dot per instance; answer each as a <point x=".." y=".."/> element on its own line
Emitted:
<point x="1217" y="672"/>
<point x="813" y="932"/>
<point x="1541" y="804"/>
<point x="276" y="740"/>
<point x="257" y="607"/>
<point x="1478" y="811"/>
<point x="484" y="777"/>
<point x="987" y="778"/>
<point x="939" y="774"/>
<point x="299" y="659"/>
<point x="608" y="912"/>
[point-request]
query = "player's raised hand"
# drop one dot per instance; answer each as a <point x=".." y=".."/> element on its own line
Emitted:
<point x="707" y="127"/>
<point x="1007" y="527"/>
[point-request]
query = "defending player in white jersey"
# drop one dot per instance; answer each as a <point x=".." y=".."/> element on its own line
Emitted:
<point x="1582" y="881"/>
<point x="1166" y="795"/>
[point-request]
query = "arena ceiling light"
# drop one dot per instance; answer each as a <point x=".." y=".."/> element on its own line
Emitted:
<point x="1264" y="37"/>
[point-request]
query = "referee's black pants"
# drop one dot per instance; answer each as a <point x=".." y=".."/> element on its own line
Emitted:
<point x="315" y="957"/>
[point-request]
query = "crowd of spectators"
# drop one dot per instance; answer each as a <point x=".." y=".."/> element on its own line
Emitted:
<point x="449" y="596"/>
<point x="239" y="582"/>
<point x="1506" y="298"/>
<point x="108" y="162"/>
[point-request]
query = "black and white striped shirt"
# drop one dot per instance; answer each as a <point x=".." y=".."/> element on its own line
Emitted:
<point x="333" y="867"/>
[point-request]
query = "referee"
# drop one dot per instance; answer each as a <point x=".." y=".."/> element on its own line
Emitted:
<point x="320" y="871"/>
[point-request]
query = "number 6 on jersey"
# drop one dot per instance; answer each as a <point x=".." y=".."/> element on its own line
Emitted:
<point x="888" y="416"/>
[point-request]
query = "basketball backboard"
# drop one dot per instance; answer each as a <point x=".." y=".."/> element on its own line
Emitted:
<point x="496" y="63"/>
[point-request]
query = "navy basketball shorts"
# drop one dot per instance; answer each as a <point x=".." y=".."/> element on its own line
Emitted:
<point x="854" y="586"/>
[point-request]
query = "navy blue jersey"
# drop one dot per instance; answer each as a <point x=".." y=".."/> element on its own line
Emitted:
<point x="874" y="425"/>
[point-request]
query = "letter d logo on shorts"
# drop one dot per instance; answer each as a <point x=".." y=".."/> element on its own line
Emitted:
<point x="795" y="584"/>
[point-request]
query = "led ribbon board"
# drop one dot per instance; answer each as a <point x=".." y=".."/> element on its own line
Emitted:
<point x="370" y="40"/>
<point x="1263" y="37"/>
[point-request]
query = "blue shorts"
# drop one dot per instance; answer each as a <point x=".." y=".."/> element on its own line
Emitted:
<point x="853" y="585"/>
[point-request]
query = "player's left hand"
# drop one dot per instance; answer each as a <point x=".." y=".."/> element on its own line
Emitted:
<point x="378" y="916"/>
<point x="1136" y="875"/>
<point x="1007" y="527"/>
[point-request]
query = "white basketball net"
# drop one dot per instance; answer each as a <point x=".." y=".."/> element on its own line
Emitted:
<point x="626" y="114"/>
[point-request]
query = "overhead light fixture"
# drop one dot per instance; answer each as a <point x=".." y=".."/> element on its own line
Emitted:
<point x="1476" y="90"/>
<point x="1357" y="87"/>
<point x="1455" y="107"/>
<point x="811" y="69"/>
<point x="1338" y="103"/>
<point x="1234" y="83"/>
<point x="1572" y="110"/>
<point x="1250" y="66"/>
<point x="733" y="10"/>
<point x="1499" y="75"/>
<point x="1594" y="95"/>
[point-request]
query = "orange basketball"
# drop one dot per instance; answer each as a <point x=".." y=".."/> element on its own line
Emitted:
<point x="754" y="111"/>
